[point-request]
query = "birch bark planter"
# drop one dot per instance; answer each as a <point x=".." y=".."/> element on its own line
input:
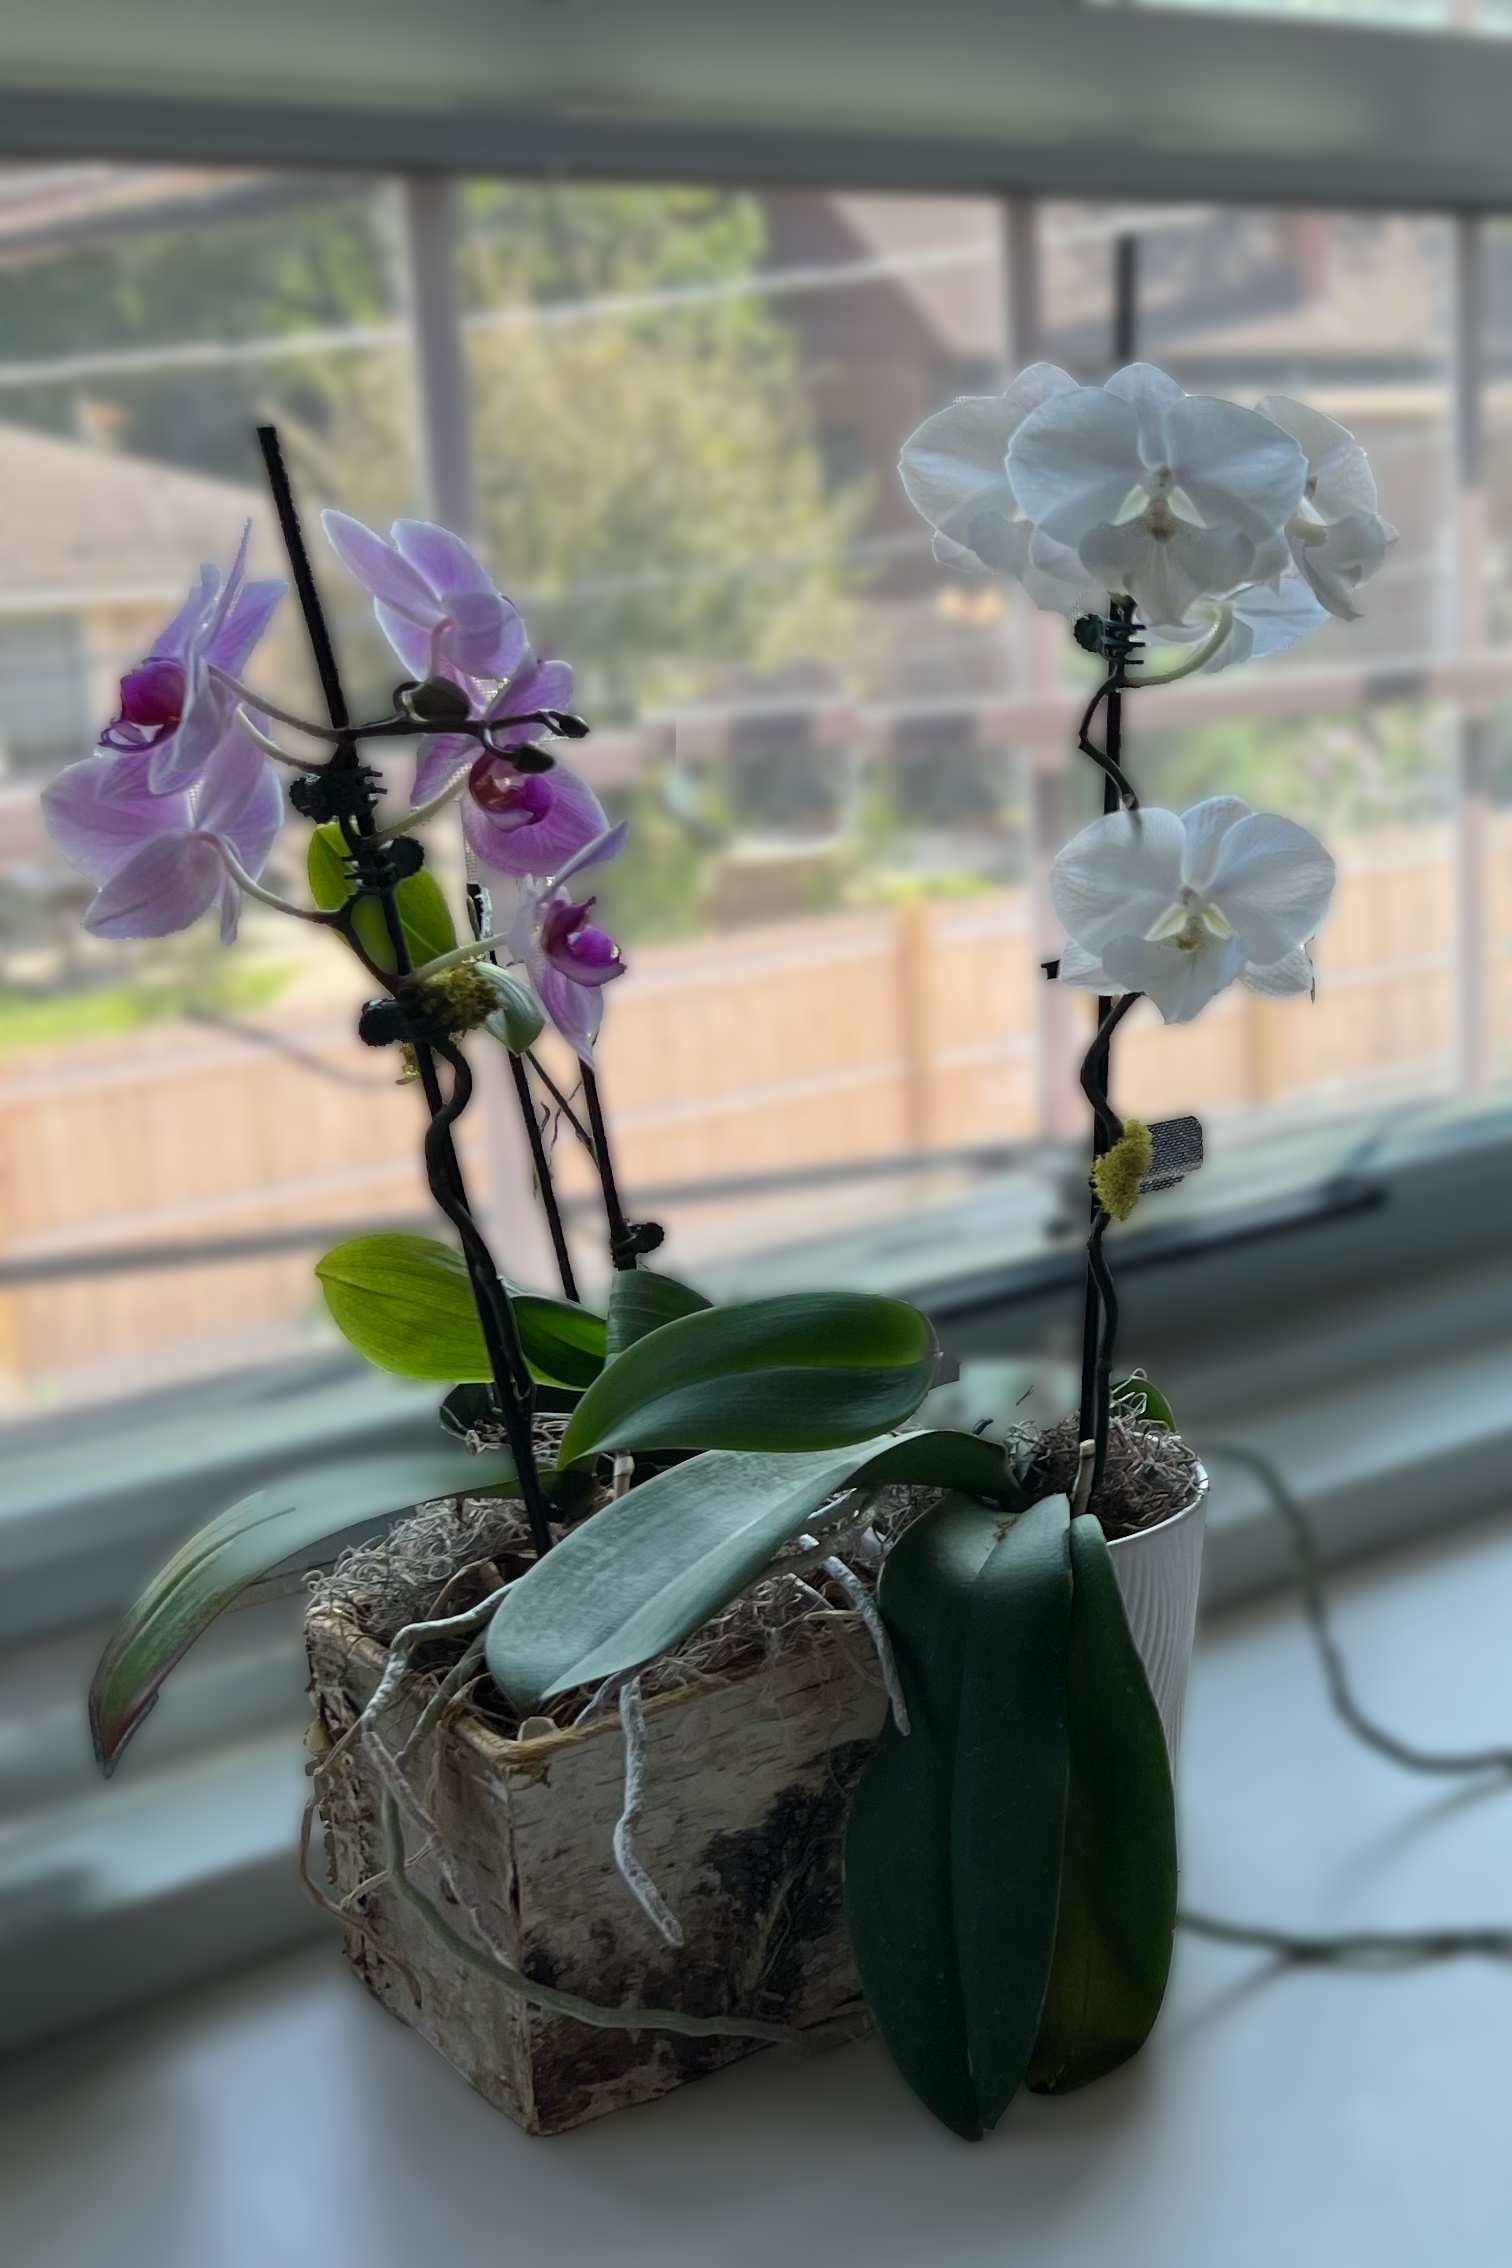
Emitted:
<point x="748" y="1782"/>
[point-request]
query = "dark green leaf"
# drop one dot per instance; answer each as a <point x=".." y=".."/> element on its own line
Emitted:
<point x="423" y="912"/>
<point x="1118" y="1895"/>
<point x="643" y="1573"/>
<point x="406" y="1303"/>
<point x="640" y="1302"/>
<point x="278" y="1523"/>
<point x="812" y="1370"/>
<point x="953" y="1848"/>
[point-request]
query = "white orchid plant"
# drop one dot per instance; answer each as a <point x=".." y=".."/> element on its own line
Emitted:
<point x="1152" y="517"/>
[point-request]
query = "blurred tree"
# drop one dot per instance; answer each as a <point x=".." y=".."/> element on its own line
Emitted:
<point x="649" y="481"/>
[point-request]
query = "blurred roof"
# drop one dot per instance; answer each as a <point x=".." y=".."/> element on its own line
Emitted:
<point x="81" y="525"/>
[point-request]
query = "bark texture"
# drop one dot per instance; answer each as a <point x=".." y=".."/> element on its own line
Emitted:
<point x="748" y="1784"/>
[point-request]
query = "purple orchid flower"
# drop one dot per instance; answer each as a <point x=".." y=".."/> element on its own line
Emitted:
<point x="435" y="603"/>
<point x="159" y="861"/>
<point x="443" y="617"/>
<point x="528" y="822"/>
<point x="172" y="707"/>
<point x="568" y="959"/>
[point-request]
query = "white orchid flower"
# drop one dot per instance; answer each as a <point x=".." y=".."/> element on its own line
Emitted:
<point x="1170" y="497"/>
<point x="1178" y="907"/>
<point x="1336" y="535"/>
<point x="954" y="470"/>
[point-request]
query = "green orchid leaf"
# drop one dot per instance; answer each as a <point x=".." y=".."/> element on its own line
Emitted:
<point x="519" y="1018"/>
<point x="1118" y="1895"/>
<point x="953" y="1847"/>
<point x="423" y="911"/>
<point x="643" y="1573"/>
<point x="1149" y="1405"/>
<point x="405" y="1302"/>
<point x="640" y="1302"/>
<point x="812" y="1370"/>
<point x="279" y="1523"/>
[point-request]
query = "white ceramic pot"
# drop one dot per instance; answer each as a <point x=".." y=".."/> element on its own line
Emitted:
<point x="1159" y="1572"/>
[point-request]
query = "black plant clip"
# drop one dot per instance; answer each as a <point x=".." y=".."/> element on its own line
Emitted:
<point x="626" y="1244"/>
<point x="405" y="1018"/>
<point x="340" y="791"/>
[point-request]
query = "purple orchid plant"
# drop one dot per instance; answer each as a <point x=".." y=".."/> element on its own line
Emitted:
<point x="178" y="811"/>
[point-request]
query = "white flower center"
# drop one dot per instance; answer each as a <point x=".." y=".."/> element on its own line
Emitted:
<point x="1160" y="504"/>
<point x="1192" y="921"/>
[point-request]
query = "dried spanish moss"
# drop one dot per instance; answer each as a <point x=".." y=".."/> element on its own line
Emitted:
<point x="1149" y="1476"/>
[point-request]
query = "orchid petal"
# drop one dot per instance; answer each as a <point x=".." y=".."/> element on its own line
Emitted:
<point x="1079" y="967"/>
<point x="576" y="1010"/>
<point x="173" y="640"/>
<point x="100" y="812"/>
<point x="1072" y="460"/>
<point x="379" y="568"/>
<point x="247" y="619"/>
<point x="576" y="820"/>
<point x="1292" y="975"/>
<point x="1239" y="468"/>
<point x="1342" y="480"/>
<point x="1273" y="882"/>
<point x="231" y="587"/>
<point x="1267" y="621"/>
<point x="410" y="641"/>
<point x="1180" y="979"/>
<point x="1167" y="575"/>
<point x="441" y="758"/>
<point x="1118" y="876"/>
<point x="481" y="635"/>
<point x="538" y="685"/>
<point x="163" y="887"/>
<point x="242" y="801"/>
<point x="442" y="559"/>
<point x="179" y="760"/>
<point x="1205" y="827"/>
<point x="604" y="846"/>
<point x="1150" y="393"/>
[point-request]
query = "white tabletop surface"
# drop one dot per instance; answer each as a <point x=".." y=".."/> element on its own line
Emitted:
<point x="281" y="2120"/>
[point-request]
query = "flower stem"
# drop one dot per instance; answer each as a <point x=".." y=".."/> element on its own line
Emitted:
<point x="624" y="1245"/>
<point x="544" y="1182"/>
<point x="1199" y="654"/>
<point x="251" y="889"/>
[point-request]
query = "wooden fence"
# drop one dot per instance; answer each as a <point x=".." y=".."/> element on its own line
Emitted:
<point x="905" y="1029"/>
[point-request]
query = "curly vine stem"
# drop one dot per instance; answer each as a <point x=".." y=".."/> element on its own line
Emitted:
<point x="1115" y="637"/>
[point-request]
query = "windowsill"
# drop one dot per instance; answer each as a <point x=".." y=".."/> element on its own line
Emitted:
<point x="1306" y="2117"/>
<point x="1365" y="1351"/>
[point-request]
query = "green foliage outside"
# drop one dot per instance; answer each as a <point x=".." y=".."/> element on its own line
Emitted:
<point x="237" y="987"/>
<point x="1337" y="774"/>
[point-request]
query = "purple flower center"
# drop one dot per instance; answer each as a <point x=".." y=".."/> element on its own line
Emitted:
<point x="593" y="948"/>
<point x="152" y="694"/>
<point x="571" y="943"/>
<point x="512" y="799"/>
